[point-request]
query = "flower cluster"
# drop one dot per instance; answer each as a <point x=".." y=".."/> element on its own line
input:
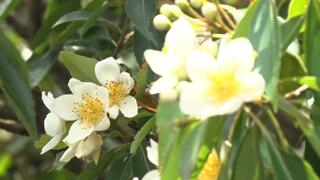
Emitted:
<point x="209" y="82"/>
<point x="89" y="107"/>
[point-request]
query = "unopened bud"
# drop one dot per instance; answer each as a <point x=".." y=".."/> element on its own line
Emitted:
<point x="161" y="22"/>
<point x="173" y="12"/>
<point x="196" y="3"/>
<point x="209" y="10"/>
<point x="183" y="4"/>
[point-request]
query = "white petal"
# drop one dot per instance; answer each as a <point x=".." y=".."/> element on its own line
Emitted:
<point x="77" y="132"/>
<point x="107" y="70"/>
<point x="194" y="101"/>
<point x="129" y="107"/>
<point x="237" y="53"/>
<point x="164" y="83"/>
<point x="152" y="175"/>
<point x="252" y="86"/>
<point x="63" y="106"/>
<point x="152" y="152"/>
<point x="51" y="144"/>
<point x="73" y="85"/>
<point x="103" y="125"/>
<point x="88" y="146"/>
<point x="47" y="99"/>
<point x="180" y="39"/>
<point x="158" y="62"/>
<point x="53" y="125"/>
<point x="69" y="153"/>
<point x="127" y="81"/>
<point x="114" y="111"/>
<point x="102" y="94"/>
<point x="200" y="65"/>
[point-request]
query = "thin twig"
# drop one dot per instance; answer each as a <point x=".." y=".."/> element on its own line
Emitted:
<point x="224" y="15"/>
<point x="297" y="92"/>
<point x="12" y="127"/>
<point x="123" y="38"/>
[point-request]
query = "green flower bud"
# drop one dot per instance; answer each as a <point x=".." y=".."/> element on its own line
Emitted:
<point x="165" y="9"/>
<point x="173" y="12"/>
<point x="183" y="4"/>
<point x="209" y="10"/>
<point x="196" y="3"/>
<point x="161" y="22"/>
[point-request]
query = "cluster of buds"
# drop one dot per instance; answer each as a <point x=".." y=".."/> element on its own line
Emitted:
<point x="200" y="9"/>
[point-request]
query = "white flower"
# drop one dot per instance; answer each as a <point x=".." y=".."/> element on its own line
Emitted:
<point x="170" y="62"/>
<point x="152" y="152"/>
<point x="119" y="86"/>
<point x="221" y="86"/>
<point x="87" y="149"/>
<point x="87" y="106"/>
<point x="53" y="125"/>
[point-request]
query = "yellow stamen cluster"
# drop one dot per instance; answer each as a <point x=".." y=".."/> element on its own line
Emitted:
<point x="116" y="92"/>
<point x="224" y="86"/>
<point x="211" y="169"/>
<point x="90" y="110"/>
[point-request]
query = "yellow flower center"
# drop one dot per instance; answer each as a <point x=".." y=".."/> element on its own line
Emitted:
<point x="116" y="92"/>
<point x="90" y="110"/>
<point x="211" y="168"/>
<point x="224" y="85"/>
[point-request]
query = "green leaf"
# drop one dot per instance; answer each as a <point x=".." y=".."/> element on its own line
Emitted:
<point x="80" y="67"/>
<point x="140" y="136"/>
<point x="312" y="41"/>
<point x="55" y="10"/>
<point x="79" y="15"/>
<point x="311" y="81"/>
<point x="170" y="138"/>
<point x="93" y="18"/>
<point x="297" y="7"/>
<point x="260" y="25"/>
<point x="304" y="123"/>
<point x="6" y="7"/>
<point x="140" y="44"/>
<point x="15" y="86"/>
<point x="248" y="164"/>
<point x="141" y="13"/>
<point x="5" y="163"/>
<point x="191" y="149"/>
<point x="127" y="166"/>
<point x="40" y="65"/>
<point x="93" y="171"/>
<point x="142" y="78"/>
<point x="290" y="30"/>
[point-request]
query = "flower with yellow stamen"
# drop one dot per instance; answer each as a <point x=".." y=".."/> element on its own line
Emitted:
<point x="87" y="106"/>
<point x="221" y="86"/>
<point x="119" y="85"/>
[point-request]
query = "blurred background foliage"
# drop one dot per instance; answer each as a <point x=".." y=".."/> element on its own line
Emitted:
<point x="36" y="31"/>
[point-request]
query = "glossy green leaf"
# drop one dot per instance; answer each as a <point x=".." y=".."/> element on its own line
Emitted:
<point x="140" y="136"/>
<point x="141" y="13"/>
<point x="260" y="25"/>
<point x="290" y="30"/>
<point x="15" y="86"/>
<point x="142" y="78"/>
<point x="297" y="7"/>
<point x="6" y="6"/>
<point x="80" y="67"/>
<point x="311" y="81"/>
<point x="93" y="18"/>
<point x="312" y="41"/>
<point x="93" y="171"/>
<point x="248" y="164"/>
<point x="79" y="15"/>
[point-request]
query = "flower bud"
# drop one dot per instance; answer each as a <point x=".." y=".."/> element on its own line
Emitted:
<point x="196" y="3"/>
<point x="173" y="12"/>
<point x="161" y="22"/>
<point x="209" y="10"/>
<point x="183" y="4"/>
